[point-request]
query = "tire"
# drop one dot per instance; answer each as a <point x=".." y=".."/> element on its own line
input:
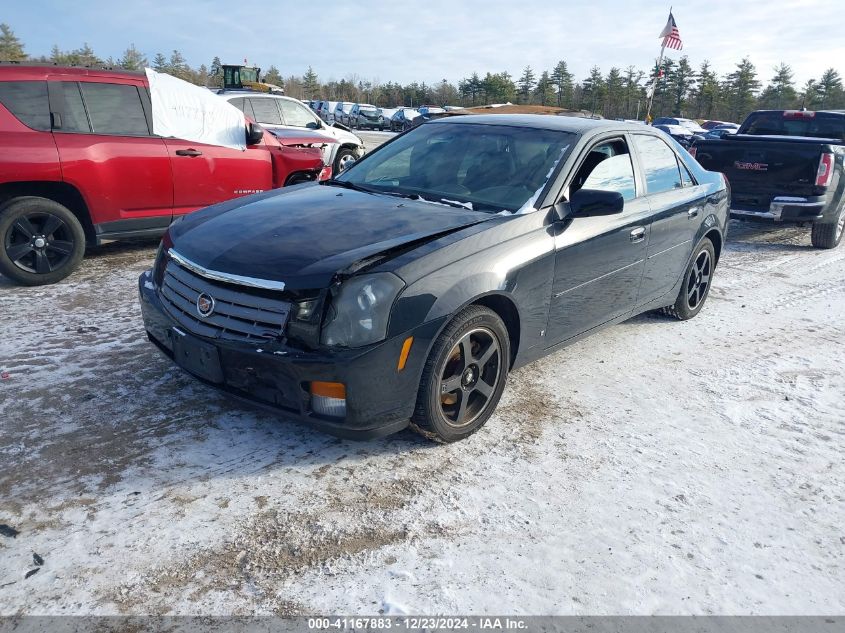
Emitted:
<point x="697" y="281"/>
<point x="444" y="415"/>
<point x="41" y="241"/>
<point x="829" y="234"/>
<point x="342" y="159"/>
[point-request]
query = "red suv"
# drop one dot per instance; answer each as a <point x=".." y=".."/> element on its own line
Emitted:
<point x="79" y="164"/>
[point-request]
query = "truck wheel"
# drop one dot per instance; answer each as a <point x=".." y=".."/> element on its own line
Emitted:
<point x="829" y="234"/>
<point x="41" y="241"/>
<point x="463" y="377"/>
<point x="696" y="286"/>
<point x="344" y="158"/>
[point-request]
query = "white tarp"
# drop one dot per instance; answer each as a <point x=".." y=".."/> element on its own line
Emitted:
<point x="183" y="110"/>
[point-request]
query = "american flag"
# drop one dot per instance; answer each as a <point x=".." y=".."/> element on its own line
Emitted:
<point x="671" y="36"/>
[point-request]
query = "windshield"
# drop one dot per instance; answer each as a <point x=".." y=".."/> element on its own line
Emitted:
<point x="812" y="124"/>
<point x="483" y="167"/>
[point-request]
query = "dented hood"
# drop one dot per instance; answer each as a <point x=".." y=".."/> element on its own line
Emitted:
<point x="305" y="235"/>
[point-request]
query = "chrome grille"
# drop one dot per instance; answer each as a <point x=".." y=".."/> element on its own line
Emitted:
<point x="239" y="314"/>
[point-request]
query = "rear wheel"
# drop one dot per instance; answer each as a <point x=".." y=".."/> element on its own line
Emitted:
<point x="464" y="376"/>
<point x="829" y="234"/>
<point x="41" y="241"/>
<point x="696" y="286"/>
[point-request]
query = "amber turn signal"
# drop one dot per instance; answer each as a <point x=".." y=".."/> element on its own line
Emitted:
<point x="328" y="389"/>
<point x="403" y="355"/>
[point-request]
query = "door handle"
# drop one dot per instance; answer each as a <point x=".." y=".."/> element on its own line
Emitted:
<point x="693" y="212"/>
<point x="188" y="152"/>
<point x="638" y="235"/>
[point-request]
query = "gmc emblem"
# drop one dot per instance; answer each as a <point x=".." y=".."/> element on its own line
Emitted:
<point x="752" y="166"/>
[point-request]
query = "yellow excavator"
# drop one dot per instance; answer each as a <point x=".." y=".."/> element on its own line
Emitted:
<point x="238" y="77"/>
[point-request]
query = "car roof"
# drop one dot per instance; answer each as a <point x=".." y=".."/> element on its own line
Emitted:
<point x="578" y="125"/>
<point x="41" y="71"/>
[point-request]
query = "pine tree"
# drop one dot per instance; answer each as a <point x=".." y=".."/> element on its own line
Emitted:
<point x="526" y="84"/>
<point x="311" y="84"/>
<point x="562" y="79"/>
<point x="614" y="93"/>
<point x="160" y="63"/>
<point x="592" y="91"/>
<point x="780" y="93"/>
<point x="680" y="82"/>
<point x="85" y="56"/>
<point x="133" y="59"/>
<point x="633" y="92"/>
<point x="742" y="85"/>
<point x="215" y="73"/>
<point x="829" y="89"/>
<point x="273" y="76"/>
<point x="178" y="67"/>
<point x="706" y="94"/>
<point x="11" y="48"/>
<point x="544" y="92"/>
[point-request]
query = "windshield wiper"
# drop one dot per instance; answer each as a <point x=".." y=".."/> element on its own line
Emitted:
<point x="348" y="185"/>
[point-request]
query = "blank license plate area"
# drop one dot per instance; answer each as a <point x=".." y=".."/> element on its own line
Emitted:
<point x="196" y="356"/>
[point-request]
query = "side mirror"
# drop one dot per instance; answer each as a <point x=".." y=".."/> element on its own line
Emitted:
<point x="313" y="125"/>
<point x="254" y="133"/>
<point x="588" y="203"/>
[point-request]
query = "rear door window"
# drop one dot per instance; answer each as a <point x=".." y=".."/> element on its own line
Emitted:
<point x="295" y="114"/>
<point x="74" y="117"/>
<point x="266" y="111"/>
<point x="115" y="109"/>
<point x="28" y="101"/>
<point x="659" y="163"/>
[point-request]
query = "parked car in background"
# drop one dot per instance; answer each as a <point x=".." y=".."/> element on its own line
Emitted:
<point x="785" y="166"/>
<point x="326" y="112"/>
<point x="689" y="124"/>
<point x="366" y="116"/>
<point x="276" y="111"/>
<point x="678" y="132"/>
<point x="404" y="291"/>
<point x="80" y="164"/>
<point x="388" y="113"/>
<point x="718" y="132"/>
<point x="428" y="110"/>
<point x="342" y="111"/>
<point x="709" y="125"/>
<point x="403" y="119"/>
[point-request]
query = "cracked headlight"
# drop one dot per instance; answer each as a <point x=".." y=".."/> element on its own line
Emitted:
<point x="359" y="312"/>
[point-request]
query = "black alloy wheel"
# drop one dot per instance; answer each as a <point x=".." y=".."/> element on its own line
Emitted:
<point x="42" y="241"/>
<point x="464" y="376"/>
<point x="696" y="285"/>
<point x="698" y="280"/>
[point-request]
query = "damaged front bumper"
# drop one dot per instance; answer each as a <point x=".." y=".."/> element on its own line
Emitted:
<point x="380" y="398"/>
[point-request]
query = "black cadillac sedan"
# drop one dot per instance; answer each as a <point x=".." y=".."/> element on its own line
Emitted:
<point x="404" y="291"/>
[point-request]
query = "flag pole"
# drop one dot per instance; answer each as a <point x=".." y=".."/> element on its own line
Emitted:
<point x="656" y="75"/>
<point x="654" y="81"/>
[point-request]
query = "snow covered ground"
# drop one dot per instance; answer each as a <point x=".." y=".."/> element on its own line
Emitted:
<point x="655" y="468"/>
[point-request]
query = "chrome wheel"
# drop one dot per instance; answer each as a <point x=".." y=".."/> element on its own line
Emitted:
<point x="345" y="161"/>
<point x="469" y="377"/>
<point x="699" y="279"/>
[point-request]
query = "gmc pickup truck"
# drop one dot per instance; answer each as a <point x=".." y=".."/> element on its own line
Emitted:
<point x="785" y="166"/>
<point x="80" y="164"/>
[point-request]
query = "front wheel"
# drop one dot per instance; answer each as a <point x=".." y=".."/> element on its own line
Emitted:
<point x="41" y="241"/>
<point x="464" y="376"/>
<point x="345" y="157"/>
<point x="696" y="286"/>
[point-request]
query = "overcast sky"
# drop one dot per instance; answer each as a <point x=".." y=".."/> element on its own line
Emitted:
<point x="428" y="40"/>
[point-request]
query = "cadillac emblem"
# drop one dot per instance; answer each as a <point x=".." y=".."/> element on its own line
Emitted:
<point x="205" y="305"/>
